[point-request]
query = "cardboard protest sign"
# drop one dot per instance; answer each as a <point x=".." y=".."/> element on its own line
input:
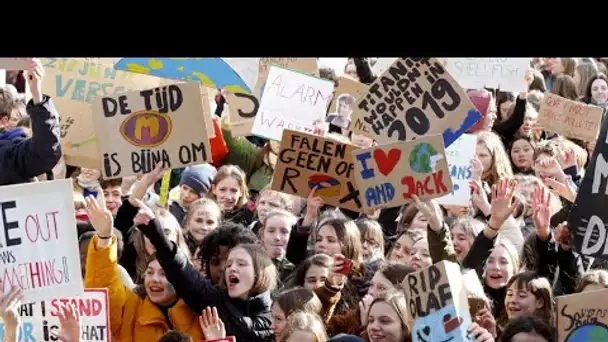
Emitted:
<point x="291" y="100"/>
<point x="15" y="63"/>
<point x="341" y="109"/>
<point x="388" y="175"/>
<point x="582" y="316"/>
<point x="140" y="129"/>
<point x="244" y="107"/>
<point x="206" y="95"/>
<point x="73" y="84"/>
<point x="459" y="155"/>
<point x="572" y="119"/>
<point x="506" y="74"/>
<point x="39" y="319"/>
<point x="307" y="161"/>
<point x="437" y="303"/>
<point x="38" y="244"/>
<point x="588" y="215"/>
<point x="416" y="97"/>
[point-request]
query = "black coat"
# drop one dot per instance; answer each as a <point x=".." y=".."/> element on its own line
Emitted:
<point x="23" y="158"/>
<point x="247" y="320"/>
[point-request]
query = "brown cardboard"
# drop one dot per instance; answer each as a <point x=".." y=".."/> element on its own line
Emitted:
<point x="414" y="97"/>
<point x="72" y="84"/>
<point x="572" y="119"/>
<point x="243" y="107"/>
<point x="141" y="132"/>
<point x="306" y="161"/>
<point x="583" y="316"/>
<point x="206" y="94"/>
<point x="15" y="63"/>
<point x="386" y="179"/>
<point x="437" y="303"/>
<point x="349" y="88"/>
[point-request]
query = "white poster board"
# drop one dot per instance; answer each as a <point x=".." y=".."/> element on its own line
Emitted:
<point x="291" y="100"/>
<point x="39" y="319"/>
<point x="382" y="64"/>
<point x="459" y="156"/>
<point x="506" y="74"/>
<point x="247" y="68"/>
<point x="38" y="240"/>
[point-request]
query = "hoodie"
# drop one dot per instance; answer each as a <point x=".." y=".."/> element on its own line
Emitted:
<point x="23" y="158"/>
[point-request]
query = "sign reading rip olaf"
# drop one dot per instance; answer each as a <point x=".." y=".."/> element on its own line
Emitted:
<point x="140" y="129"/>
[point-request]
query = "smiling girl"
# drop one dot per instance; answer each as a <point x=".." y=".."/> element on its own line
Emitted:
<point x="242" y="298"/>
<point x="387" y="319"/>
<point x="229" y="190"/>
<point x="156" y="300"/>
<point x="529" y="295"/>
<point x="463" y="233"/>
<point x="204" y="215"/>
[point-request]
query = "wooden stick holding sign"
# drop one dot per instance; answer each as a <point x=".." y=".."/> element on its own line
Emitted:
<point x="308" y="161"/>
<point x="437" y="302"/>
<point x="164" y="190"/>
<point x="416" y="97"/>
<point x="389" y="175"/>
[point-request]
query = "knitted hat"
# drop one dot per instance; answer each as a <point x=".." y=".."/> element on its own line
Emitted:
<point x="199" y="178"/>
<point x="481" y="100"/>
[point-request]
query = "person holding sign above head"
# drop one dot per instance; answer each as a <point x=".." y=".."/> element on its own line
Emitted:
<point x="146" y="312"/>
<point x="23" y="158"/>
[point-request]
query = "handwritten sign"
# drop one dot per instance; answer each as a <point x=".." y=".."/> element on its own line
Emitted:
<point x="308" y="161"/>
<point x="572" y="119"/>
<point x="437" y="303"/>
<point x="73" y="84"/>
<point x="459" y="156"/>
<point x="341" y="109"/>
<point x="582" y="317"/>
<point x="15" y="63"/>
<point x="138" y="130"/>
<point x="244" y="107"/>
<point x="388" y="175"/>
<point x="38" y="244"/>
<point x="588" y="215"/>
<point x="39" y="319"/>
<point x="413" y="98"/>
<point x="291" y="101"/>
<point x="506" y="74"/>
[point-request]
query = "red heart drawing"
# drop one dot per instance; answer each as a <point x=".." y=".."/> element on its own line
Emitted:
<point x="386" y="163"/>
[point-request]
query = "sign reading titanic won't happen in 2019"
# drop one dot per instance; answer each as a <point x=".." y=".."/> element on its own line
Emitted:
<point x="588" y="216"/>
<point x="416" y="97"/>
<point x="140" y="129"/>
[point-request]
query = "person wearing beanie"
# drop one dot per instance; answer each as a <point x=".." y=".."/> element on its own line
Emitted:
<point x="194" y="183"/>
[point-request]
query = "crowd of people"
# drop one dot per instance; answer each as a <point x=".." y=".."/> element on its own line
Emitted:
<point x="230" y="256"/>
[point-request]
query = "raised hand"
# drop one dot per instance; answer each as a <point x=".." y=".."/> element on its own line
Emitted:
<point x="211" y="324"/>
<point x="541" y="212"/>
<point x="476" y="169"/>
<point x="9" y="306"/>
<point x="100" y="217"/>
<point x="431" y="211"/>
<point x="144" y="215"/>
<point x="503" y="204"/>
<point x="479" y="197"/>
<point x="69" y="323"/>
<point x="33" y="76"/>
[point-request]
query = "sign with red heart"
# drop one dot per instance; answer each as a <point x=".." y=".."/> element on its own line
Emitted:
<point x="388" y="175"/>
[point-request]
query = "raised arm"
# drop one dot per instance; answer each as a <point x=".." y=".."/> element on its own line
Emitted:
<point x="39" y="154"/>
<point x="194" y="289"/>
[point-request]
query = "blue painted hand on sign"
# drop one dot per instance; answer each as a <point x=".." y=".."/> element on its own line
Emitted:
<point x="211" y="72"/>
<point x="449" y="136"/>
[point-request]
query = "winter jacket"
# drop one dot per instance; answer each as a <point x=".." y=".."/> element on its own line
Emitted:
<point x="133" y="317"/>
<point x="247" y="320"/>
<point x="23" y="158"/>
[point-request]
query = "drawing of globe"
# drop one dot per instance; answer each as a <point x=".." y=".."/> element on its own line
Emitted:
<point x="420" y="158"/>
<point x="594" y="332"/>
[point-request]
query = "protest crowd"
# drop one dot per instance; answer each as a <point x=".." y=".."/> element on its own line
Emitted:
<point x="442" y="200"/>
